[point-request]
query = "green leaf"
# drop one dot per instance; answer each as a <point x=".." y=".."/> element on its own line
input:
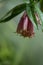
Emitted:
<point x="13" y="12"/>
<point x="32" y="7"/>
<point x="41" y="5"/>
<point x="34" y="18"/>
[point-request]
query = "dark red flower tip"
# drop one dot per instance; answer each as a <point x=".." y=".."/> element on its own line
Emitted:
<point x="25" y="26"/>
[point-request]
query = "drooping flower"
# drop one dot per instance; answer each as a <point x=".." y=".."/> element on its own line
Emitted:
<point x="25" y="26"/>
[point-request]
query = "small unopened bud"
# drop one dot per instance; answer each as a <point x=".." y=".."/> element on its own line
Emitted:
<point x="38" y="19"/>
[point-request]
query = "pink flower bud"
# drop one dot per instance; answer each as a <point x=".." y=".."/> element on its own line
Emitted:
<point x="25" y="26"/>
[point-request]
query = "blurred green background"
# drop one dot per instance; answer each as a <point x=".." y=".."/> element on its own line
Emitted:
<point x="15" y="49"/>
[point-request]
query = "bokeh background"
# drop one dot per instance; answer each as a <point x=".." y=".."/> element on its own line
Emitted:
<point x="15" y="49"/>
